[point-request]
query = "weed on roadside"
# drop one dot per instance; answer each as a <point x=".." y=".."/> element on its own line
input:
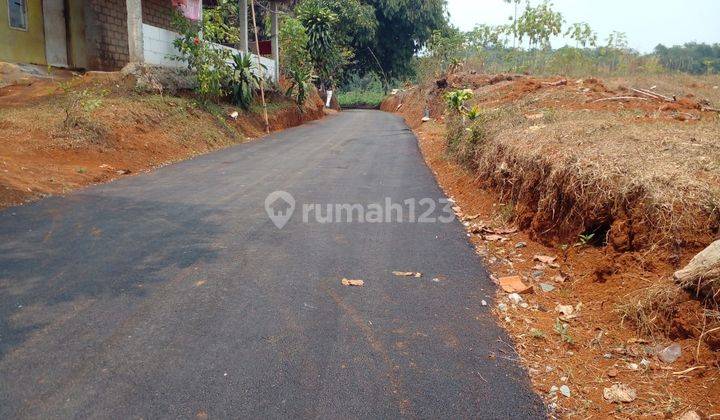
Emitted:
<point x="78" y="125"/>
<point x="563" y="330"/>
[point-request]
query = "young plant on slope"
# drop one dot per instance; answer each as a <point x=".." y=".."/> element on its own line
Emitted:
<point x="244" y="82"/>
<point x="300" y="80"/>
<point x="456" y="99"/>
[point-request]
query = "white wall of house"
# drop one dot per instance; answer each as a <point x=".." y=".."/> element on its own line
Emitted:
<point x="158" y="48"/>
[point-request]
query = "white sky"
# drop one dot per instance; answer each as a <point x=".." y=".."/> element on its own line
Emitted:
<point x="646" y="22"/>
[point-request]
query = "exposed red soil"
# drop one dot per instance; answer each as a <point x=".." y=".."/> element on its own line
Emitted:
<point x="512" y="88"/>
<point x="605" y="349"/>
<point x="127" y="134"/>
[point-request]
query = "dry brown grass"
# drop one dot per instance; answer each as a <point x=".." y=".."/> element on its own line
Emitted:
<point x="674" y="84"/>
<point x="638" y="171"/>
<point x="651" y="310"/>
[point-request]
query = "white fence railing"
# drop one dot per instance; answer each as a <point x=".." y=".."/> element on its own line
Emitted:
<point x="158" y="48"/>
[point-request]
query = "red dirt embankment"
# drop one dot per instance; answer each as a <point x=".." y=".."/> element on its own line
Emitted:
<point x="601" y="308"/>
<point x="56" y="136"/>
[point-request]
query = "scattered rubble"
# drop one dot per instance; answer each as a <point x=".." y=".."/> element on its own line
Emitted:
<point x="620" y="393"/>
<point x="514" y="284"/>
<point x="515" y="298"/>
<point x="565" y="390"/>
<point x="690" y="415"/>
<point x="355" y="283"/>
<point x="407" y="274"/>
<point x="670" y="353"/>
<point x="545" y="259"/>
<point x="546" y="287"/>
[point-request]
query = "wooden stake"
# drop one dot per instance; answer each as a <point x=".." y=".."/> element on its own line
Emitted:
<point x="653" y="95"/>
<point x="262" y="79"/>
<point x="621" y="98"/>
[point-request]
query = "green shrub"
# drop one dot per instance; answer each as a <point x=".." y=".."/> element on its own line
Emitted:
<point x="360" y="98"/>
<point x="209" y="62"/>
<point x="294" y="45"/>
<point x="243" y="82"/>
<point x="455" y="100"/>
<point x="300" y="83"/>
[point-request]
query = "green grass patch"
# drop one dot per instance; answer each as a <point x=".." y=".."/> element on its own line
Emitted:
<point x="358" y="98"/>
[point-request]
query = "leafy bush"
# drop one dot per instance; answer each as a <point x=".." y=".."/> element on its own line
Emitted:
<point x="361" y="98"/>
<point x="473" y="113"/>
<point x="456" y="99"/>
<point x="300" y="80"/>
<point x="298" y="65"/>
<point x="244" y="82"/>
<point x="208" y="61"/>
<point x="470" y="130"/>
<point x="326" y="54"/>
<point x="294" y="45"/>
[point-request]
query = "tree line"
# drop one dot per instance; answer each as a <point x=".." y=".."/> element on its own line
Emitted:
<point x="524" y="45"/>
<point x="369" y="43"/>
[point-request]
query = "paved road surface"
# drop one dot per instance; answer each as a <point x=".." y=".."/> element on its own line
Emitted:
<point x="172" y="295"/>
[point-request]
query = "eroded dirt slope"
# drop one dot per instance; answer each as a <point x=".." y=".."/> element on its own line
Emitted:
<point x="601" y="310"/>
<point x="58" y="135"/>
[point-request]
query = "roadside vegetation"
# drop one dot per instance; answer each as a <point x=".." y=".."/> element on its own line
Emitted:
<point x="357" y="48"/>
<point x="361" y="99"/>
<point x="362" y="92"/>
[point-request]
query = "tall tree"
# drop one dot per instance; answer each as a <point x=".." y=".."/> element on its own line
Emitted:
<point x="336" y="30"/>
<point x="403" y="28"/>
<point x="582" y="34"/>
<point x="539" y="24"/>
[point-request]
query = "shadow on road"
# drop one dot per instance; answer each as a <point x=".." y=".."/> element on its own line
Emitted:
<point x="61" y="253"/>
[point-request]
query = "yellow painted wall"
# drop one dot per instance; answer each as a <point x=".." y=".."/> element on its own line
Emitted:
<point x="23" y="46"/>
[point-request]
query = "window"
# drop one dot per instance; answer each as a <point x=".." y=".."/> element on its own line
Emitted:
<point x="17" y="12"/>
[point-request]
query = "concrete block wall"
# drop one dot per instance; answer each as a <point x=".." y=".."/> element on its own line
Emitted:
<point x="106" y="30"/>
<point x="106" y="34"/>
<point x="157" y="13"/>
<point x="158" y="46"/>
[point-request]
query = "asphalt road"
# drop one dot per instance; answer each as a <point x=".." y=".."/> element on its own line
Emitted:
<point x="173" y="295"/>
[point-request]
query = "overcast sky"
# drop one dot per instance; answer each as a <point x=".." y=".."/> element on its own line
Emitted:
<point x="646" y="22"/>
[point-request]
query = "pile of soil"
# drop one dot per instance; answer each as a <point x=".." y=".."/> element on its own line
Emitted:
<point x="62" y="133"/>
<point x="606" y="284"/>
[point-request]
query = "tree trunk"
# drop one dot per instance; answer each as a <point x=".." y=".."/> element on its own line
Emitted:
<point x="702" y="275"/>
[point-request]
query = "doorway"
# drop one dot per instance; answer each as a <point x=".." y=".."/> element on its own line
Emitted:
<point x="56" y="51"/>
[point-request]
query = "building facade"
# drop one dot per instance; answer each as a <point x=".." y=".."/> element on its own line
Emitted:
<point x="102" y="34"/>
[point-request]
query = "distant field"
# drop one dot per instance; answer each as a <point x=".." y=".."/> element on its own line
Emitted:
<point x="365" y="99"/>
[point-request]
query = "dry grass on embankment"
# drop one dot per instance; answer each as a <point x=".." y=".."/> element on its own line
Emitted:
<point x="56" y="136"/>
<point x="637" y="174"/>
<point x="557" y="161"/>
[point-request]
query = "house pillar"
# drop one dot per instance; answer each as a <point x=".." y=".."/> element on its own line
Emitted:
<point x="243" y="18"/>
<point x="275" y="40"/>
<point x="135" y="31"/>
